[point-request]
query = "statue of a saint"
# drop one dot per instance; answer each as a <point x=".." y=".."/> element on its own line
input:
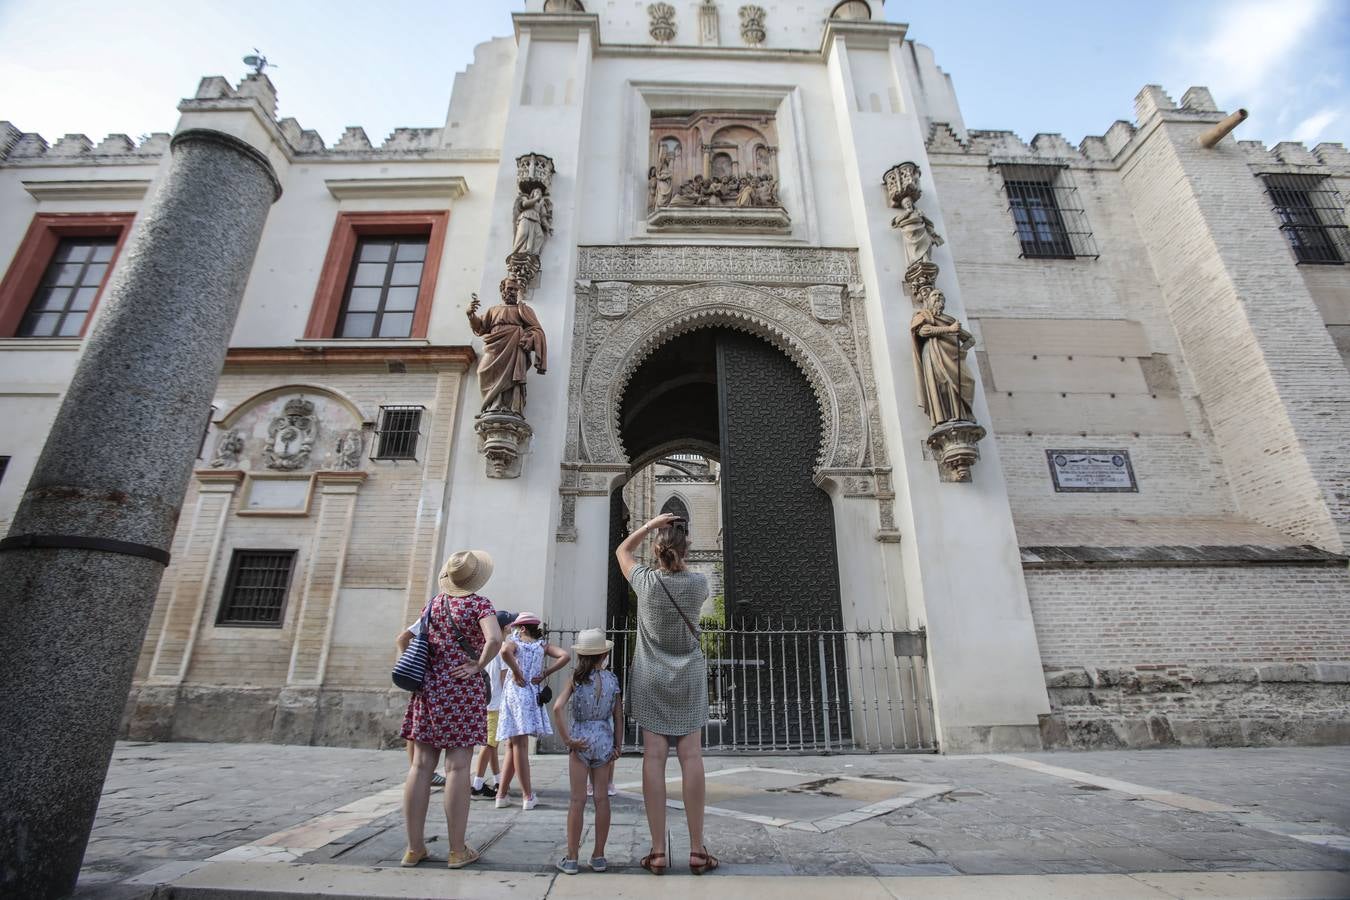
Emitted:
<point x="511" y="335"/>
<point x="533" y="216"/>
<point x="663" y="182"/>
<point x="946" y="384"/>
<point x="228" y="448"/>
<point x="917" y="231"/>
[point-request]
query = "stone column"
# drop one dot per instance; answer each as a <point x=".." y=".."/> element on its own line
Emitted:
<point x="89" y="542"/>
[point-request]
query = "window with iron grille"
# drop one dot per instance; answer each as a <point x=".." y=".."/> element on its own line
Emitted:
<point x="400" y="427"/>
<point x="1312" y="217"/>
<point x="256" y="587"/>
<point x="1047" y="213"/>
<point x="382" y="288"/>
<point x="68" y="288"/>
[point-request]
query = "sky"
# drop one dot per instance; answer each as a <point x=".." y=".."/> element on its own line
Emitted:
<point x="1068" y="67"/>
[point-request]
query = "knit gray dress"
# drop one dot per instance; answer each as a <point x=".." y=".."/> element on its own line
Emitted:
<point x="667" y="691"/>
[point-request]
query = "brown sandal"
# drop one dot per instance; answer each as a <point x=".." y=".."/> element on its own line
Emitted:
<point x="709" y="862"/>
<point x="649" y="862"/>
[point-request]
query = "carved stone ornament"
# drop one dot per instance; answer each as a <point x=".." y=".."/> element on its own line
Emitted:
<point x="503" y="438"/>
<point x="902" y="181"/>
<point x="228" y="447"/>
<point x="709" y="32"/>
<point x="612" y="302"/>
<point x="533" y="170"/>
<point x="752" y="25"/>
<point x="953" y="445"/>
<point x="290" y="436"/>
<point x="662" y="22"/>
<point x="827" y="303"/>
<point x="348" y="449"/>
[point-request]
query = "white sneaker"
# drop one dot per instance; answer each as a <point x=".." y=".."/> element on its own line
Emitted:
<point x="503" y="802"/>
<point x="613" y="791"/>
<point x="529" y="802"/>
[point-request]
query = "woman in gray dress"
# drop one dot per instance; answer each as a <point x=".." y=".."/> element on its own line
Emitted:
<point x="667" y="692"/>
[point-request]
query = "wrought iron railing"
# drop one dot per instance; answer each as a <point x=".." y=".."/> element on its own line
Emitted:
<point x="786" y="686"/>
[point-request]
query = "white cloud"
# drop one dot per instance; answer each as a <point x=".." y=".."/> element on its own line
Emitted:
<point x="1252" y="41"/>
<point x="1311" y="128"/>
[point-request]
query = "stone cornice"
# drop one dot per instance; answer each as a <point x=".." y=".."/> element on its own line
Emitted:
<point x="450" y="186"/>
<point x="456" y="358"/>
<point x="558" y="26"/>
<point x="87" y="188"/>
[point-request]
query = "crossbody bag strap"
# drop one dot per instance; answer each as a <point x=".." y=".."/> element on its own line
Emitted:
<point x="687" y="624"/>
<point x="459" y="637"/>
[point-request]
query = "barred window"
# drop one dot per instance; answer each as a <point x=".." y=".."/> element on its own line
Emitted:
<point x="1046" y="212"/>
<point x="256" y="587"/>
<point x="399" y="429"/>
<point x="68" y="288"/>
<point x="1311" y="216"/>
<point x="382" y="288"/>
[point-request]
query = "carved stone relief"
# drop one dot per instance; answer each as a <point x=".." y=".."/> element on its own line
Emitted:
<point x="228" y="447"/>
<point x="348" y="449"/>
<point x="709" y="33"/>
<point x="752" y="25"/>
<point x="290" y="436"/>
<point x="612" y="301"/>
<point x="827" y="303"/>
<point x="773" y="293"/>
<point x="662" y="22"/>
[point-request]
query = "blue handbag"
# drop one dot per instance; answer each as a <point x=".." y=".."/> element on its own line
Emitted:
<point x="410" y="672"/>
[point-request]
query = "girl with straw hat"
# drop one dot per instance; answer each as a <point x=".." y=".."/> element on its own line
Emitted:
<point x="591" y="696"/>
<point x="450" y="711"/>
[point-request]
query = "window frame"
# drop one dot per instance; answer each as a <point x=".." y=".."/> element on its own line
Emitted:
<point x="1305" y="226"/>
<point x="377" y="446"/>
<point x="232" y="574"/>
<point x="1063" y="215"/>
<point x="380" y="311"/>
<point x="339" y="267"/>
<point x="35" y="253"/>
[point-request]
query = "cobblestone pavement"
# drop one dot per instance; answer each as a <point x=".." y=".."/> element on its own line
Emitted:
<point x="167" y="807"/>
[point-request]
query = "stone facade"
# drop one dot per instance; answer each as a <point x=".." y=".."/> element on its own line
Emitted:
<point x="1173" y="324"/>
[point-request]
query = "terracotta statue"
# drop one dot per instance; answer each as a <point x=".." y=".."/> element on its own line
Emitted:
<point x="511" y="334"/>
<point x="533" y="217"/>
<point x="917" y="231"/>
<point x="946" y="384"/>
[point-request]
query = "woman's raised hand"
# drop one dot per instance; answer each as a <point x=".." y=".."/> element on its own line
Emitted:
<point x="661" y="521"/>
<point x="519" y="679"/>
<point x="465" y="670"/>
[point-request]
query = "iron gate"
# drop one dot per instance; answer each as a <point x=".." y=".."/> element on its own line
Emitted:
<point x="786" y="686"/>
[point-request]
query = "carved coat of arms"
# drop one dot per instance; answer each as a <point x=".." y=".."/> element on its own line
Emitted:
<point x="290" y="436"/>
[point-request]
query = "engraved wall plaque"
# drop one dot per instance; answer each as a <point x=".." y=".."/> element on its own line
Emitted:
<point x="1091" y="471"/>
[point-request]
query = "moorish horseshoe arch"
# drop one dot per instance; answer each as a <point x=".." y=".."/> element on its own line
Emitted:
<point x="805" y="301"/>
<point x="754" y="310"/>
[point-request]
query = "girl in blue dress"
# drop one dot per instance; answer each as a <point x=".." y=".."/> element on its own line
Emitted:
<point x="591" y="700"/>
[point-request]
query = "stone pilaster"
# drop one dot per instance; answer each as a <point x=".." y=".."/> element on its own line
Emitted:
<point x="88" y="544"/>
<point x="194" y="571"/>
<point x="424" y="560"/>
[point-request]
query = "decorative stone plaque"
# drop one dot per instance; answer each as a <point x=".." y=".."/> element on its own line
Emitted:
<point x="1091" y="471"/>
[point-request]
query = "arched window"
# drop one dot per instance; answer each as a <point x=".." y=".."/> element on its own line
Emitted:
<point x="677" y="506"/>
<point x="852" y="9"/>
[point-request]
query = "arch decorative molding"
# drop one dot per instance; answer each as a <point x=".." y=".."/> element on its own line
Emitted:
<point x="807" y="302"/>
<point x="229" y="419"/>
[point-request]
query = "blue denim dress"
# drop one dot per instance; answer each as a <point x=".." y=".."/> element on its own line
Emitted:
<point x="592" y="709"/>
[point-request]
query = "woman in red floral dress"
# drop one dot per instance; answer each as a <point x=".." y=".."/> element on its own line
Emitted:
<point x="450" y="712"/>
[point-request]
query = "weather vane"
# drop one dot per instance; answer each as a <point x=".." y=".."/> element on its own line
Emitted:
<point x="258" y="61"/>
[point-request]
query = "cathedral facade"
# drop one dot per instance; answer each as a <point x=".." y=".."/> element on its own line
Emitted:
<point x="1069" y="423"/>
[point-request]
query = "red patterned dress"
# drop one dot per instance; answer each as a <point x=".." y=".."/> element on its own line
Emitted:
<point x="448" y="711"/>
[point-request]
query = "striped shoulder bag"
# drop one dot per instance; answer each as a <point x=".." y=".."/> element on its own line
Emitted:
<point x="410" y="672"/>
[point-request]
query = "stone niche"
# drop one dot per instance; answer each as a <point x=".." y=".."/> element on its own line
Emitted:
<point x="714" y="171"/>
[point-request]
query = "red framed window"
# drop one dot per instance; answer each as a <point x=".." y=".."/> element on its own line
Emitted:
<point x="379" y="276"/>
<point x="58" y="273"/>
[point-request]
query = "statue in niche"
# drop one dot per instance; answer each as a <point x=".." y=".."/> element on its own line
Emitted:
<point x="533" y="217"/>
<point x="946" y="384"/>
<point x="349" y="449"/>
<point x="917" y="231"/>
<point x="651" y="188"/>
<point x="512" y="340"/>
<point x="290" y="436"/>
<point x="228" y="448"/>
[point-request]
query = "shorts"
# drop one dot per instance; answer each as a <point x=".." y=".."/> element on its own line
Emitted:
<point x="493" y="716"/>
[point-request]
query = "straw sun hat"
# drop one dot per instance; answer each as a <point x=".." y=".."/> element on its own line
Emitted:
<point x="591" y="642"/>
<point x="465" y="572"/>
